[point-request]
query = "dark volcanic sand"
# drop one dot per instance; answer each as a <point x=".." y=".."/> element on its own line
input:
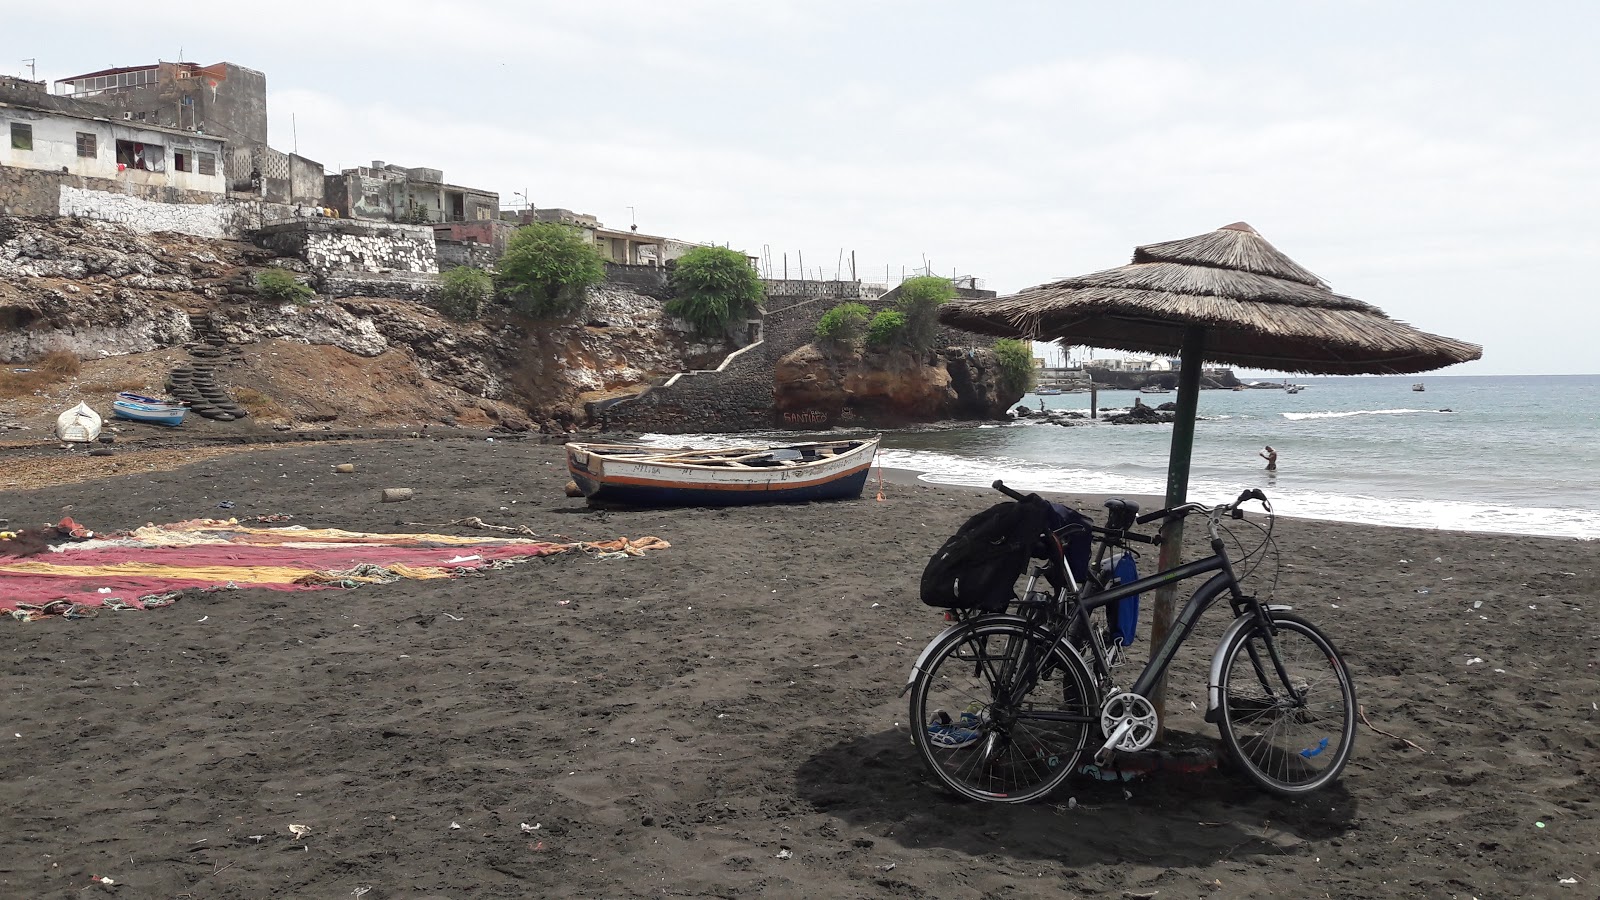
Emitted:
<point x="691" y="713"/>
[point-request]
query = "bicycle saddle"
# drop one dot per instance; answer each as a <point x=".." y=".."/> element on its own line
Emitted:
<point x="1121" y="512"/>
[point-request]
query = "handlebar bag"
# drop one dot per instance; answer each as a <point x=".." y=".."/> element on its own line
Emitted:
<point x="977" y="567"/>
<point x="1123" y="615"/>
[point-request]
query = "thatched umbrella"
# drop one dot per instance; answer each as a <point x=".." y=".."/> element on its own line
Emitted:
<point x="1227" y="296"/>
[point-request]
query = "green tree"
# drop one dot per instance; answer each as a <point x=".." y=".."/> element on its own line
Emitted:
<point x="276" y="284"/>
<point x="1016" y="366"/>
<point x="466" y="292"/>
<point x="713" y="287"/>
<point x="547" y="268"/>
<point x="887" y="328"/>
<point x="920" y="299"/>
<point x="844" y="324"/>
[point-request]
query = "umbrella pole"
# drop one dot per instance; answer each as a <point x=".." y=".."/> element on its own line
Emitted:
<point x="1194" y="343"/>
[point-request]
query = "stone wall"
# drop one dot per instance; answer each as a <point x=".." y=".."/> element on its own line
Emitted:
<point x="736" y="396"/>
<point x="648" y="280"/>
<point x="215" y="218"/>
<point x="329" y="246"/>
<point x="464" y="253"/>
<point x="417" y="286"/>
<point x="28" y="192"/>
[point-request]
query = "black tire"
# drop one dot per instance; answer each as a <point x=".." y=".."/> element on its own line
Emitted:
<point x="1290" y="746"/>
<point x="977" y="740"/>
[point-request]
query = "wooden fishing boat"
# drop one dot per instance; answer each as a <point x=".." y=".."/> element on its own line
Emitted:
<point x="78" y="425"/>
<point x="732" y="476"/>
<point x="153" y="412"/>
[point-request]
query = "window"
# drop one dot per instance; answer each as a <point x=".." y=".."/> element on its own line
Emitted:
<point x="21" y="136"/>
<point x="87" y="145"/>
<point x="182" y="161"/>
<point x="136" y="155"/>
<point x="206" y="163"/>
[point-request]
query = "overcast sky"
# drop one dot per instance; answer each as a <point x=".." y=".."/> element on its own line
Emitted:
<point x="1439" y="160"/>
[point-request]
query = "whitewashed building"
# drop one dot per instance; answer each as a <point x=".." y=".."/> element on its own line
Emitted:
<point x="133" y="153"/>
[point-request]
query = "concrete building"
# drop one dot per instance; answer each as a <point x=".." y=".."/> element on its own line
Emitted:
<point x="131" y="153"/>
<point x="222" y="99"/>
<point x="623" y="248"/>
<point x="398" y="194"/>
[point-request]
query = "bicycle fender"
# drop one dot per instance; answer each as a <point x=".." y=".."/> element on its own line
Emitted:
<point x="1214" y="683"/>
<point x="922" y="658"/>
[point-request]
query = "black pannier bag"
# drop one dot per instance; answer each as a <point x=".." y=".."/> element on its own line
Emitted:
<point x="978" y="566"/>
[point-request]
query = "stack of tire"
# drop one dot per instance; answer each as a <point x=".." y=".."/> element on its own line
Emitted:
<point x="196" y="385"/>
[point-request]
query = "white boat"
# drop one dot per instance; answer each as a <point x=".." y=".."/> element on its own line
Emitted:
<point x="1294" y="388"/>
<point x="78" y="425"/>
<point x="1418" y="387"/>
<point x="733" y="476"/>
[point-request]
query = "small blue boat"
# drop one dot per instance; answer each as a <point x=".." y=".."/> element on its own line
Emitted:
<point x="154" y="411"/>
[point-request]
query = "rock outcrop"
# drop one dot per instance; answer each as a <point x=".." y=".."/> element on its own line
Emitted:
<point x="98" y="291"/>
<point x="890" y="388"/>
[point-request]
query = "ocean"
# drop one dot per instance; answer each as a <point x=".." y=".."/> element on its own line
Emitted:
<point x="1507" y="454"/>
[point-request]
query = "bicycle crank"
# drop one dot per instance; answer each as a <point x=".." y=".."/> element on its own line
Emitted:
<point x="1129" y="720"/>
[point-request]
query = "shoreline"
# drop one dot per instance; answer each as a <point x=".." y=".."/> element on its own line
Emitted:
<point x="613" y="727"/>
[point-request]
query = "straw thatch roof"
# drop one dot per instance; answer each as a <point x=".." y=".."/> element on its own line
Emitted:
<point x="1259" y="308"/>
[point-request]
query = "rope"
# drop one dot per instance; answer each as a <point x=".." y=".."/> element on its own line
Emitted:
<point x="475" y="522"/>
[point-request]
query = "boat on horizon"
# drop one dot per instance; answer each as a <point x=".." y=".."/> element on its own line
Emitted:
<point x="1047" y="392"/>
<point x="1418" y="387"/>
<point x="636" y="475"/>
<point x="1154" y="390"/>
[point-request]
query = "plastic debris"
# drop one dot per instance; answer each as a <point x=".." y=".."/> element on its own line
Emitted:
<point x="1475" y="659"/>
<point x="1477" y="604"/>
<point x="299" y="831"/>
<point x="534" y="827"/>
<point x="785" y="853"/>
<point x="1569" y="881"/>
<point x="1538" y="824"/>
<point x="454" y="826"/>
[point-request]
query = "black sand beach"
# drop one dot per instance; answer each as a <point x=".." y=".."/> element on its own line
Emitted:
<point x="669" y="724"/>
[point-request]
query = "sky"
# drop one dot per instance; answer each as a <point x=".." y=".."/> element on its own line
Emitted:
<point x="1437" y="160"/>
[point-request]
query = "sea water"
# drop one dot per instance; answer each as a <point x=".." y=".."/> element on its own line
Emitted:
<point x="1510" y="454"/>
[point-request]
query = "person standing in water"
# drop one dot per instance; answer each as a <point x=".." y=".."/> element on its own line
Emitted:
<point x="1271" y="456"/>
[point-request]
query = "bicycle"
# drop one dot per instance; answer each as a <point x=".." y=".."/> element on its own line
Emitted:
<point x="1278" y="690"/>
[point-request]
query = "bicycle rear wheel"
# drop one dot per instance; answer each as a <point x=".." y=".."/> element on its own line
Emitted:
<point x="1001" y="712"/>
<point x="1290" y="739"/>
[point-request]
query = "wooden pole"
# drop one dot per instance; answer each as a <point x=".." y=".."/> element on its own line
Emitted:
<point x="1094" y="399"/>
<point x="1194" y="345"/>
<point x="802" y="258"/>
<point x="852" y="265"/>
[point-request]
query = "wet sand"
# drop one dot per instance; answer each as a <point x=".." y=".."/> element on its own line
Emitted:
<point x="669" y="724"/>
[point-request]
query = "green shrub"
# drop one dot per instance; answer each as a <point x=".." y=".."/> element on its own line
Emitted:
<point x="1016" y="366"/>
<point x="276" y="284"/>
<point x="887" y="329"/>
<point x="547" y="268"/>
<point x="844" y="324"/>
<point x="920" y="299"/>
<point x="713" y="287"/>
<point x="466" y="292"/>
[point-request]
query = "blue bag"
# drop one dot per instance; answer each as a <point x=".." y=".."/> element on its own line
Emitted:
<point x="1124" y="614"/>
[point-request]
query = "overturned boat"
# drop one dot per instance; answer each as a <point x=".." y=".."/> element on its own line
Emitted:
<point x="78" y="425"/>
<point x="730" y="476"/>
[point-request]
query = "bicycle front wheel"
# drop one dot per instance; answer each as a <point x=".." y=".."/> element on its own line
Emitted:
<point x="1291" y="738"/>
<point x="1002" y="713"/>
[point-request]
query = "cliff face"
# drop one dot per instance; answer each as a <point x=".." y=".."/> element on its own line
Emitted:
<point x="889" y="388"/>
<point x="128" y="305"/>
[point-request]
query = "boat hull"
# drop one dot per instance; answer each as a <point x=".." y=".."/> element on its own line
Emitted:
<point x="171" y="416"/>
<point x="78" y="425"/>
<point x="641" y="483"/>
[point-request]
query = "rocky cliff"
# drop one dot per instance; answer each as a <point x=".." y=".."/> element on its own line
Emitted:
<point x="131" y="307"/>
<point x="890" y="388"/>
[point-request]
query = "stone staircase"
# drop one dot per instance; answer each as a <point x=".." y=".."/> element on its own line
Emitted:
<point x="195" y="383"/>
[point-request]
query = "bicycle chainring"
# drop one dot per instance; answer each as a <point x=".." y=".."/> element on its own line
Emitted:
<point x="1135" y="711"/>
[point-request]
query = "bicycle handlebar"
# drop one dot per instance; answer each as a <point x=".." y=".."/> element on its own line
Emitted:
<point x="1179" y="511"/>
